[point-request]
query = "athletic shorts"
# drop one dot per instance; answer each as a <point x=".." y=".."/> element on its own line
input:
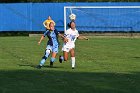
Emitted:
<point x="52" y="48"/>
<point x="67" y="48"/>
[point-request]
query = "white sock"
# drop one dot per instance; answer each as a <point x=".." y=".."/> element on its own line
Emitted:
<point x="73" y="61"/>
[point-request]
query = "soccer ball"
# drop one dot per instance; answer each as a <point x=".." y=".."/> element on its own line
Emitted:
<point x="72" y="16"/>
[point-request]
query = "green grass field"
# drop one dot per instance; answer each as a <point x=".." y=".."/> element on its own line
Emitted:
<point x="103" y="65"/>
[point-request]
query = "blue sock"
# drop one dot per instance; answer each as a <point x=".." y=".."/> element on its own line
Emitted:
<point x="42" y="62"/>
<point x="52" y="59"/>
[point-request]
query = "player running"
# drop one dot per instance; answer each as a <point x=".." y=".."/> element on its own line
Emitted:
<point x="52" y="45"/>
<point x="69" y="45"/>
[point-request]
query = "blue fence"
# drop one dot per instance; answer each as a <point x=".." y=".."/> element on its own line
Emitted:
<point x="30" y="16"/>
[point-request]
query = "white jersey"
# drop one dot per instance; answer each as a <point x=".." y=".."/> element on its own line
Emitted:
<point x="71" y="35"/>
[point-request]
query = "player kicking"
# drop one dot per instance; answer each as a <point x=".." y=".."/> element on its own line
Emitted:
<point x="52" y="45"/>
<point x="69" y="45"/>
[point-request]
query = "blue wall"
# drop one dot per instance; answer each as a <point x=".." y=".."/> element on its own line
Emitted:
<point x="30" y="16"/>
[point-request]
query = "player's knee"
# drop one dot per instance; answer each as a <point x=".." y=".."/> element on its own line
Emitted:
<point x="48" y="51"/>
<point x="52" y="59"/>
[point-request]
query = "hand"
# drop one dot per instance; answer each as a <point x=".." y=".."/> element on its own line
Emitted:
<point x="65" y="40"/>
<point x="84" y="37"/>
<point x="39" y="43"/>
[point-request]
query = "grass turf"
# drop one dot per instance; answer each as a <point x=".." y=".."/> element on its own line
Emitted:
<point x="103" y="65"/>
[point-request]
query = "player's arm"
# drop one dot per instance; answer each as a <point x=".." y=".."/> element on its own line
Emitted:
<point x="63" y="37"/>
<point x="42" y="37"/>
<point x="44" y="23"/>
<point x="82" y="38"/>
<point x="53" y="22"/>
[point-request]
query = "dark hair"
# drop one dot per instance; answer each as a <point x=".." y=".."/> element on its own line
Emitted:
<point x="69" y="24"/>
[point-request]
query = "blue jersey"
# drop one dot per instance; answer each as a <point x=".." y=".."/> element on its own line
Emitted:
<point x="53" y="37"/>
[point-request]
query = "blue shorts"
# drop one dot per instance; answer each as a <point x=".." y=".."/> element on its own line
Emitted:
<point x="53" y="48"/>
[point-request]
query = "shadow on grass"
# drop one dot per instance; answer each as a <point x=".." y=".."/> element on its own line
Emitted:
<point x="51" y="81"/>
<point x="35" y="66"/>
<point x="136" y="57"/>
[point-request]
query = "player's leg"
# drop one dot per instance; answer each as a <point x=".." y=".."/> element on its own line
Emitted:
<point x="52" y="60"/>
<point x="54" y="53"/>
<point x="46" y="55"/>
<point x="72" y="53"/>
<point x="64" y="57"/>
<point x="65" y="54"/>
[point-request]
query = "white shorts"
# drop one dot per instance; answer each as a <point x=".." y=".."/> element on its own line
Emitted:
<point x="67" y="48"/>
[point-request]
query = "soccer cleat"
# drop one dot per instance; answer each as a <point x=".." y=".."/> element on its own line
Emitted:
<point x="39" y="67"/>
<point x="51" y="64"/>
<point x="60" y="59"/>
<point x="73" y="68"/>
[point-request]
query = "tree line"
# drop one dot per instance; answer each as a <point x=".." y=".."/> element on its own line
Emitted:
<point x="36" y="1"/>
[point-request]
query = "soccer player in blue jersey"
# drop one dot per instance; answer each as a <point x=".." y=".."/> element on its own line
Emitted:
<point x="52" y="45"/>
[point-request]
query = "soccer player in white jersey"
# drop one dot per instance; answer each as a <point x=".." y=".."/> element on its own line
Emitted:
<point x="69" y="44"/>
